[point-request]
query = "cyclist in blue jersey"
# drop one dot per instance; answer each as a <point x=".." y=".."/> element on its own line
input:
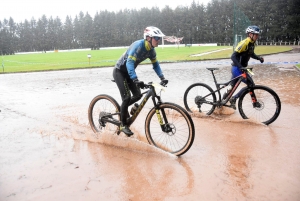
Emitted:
<point x="124" y="71"/>
<point x="240" y="57"/>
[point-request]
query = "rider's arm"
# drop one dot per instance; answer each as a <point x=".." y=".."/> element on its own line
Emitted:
<point x="240" y="48"/>
<point x="130" y="67"/>
<point x="235" y="59"/>
<point x="157" y="69"/>
<point x="254" y="56"/>
<point x="132" y="55"/>
<point x="156" y="65"/>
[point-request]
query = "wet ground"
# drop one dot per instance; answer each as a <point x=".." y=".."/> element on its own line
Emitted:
<point x="49" y="152"/>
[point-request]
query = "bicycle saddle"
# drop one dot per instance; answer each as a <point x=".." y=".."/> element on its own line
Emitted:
<point x="212" y="69"/>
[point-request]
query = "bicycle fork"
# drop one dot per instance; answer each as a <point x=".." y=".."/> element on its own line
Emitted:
<point x="255" y="103"/>
<point x="165" y="126"/>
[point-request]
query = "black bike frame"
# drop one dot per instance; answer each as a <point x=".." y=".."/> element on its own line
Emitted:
<point x="150" y="93"/>
<point x="219" y="102"/>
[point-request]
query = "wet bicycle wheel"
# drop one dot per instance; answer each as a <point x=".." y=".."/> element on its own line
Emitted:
<point x="103" y="106"/>
<point x="170" y="128"/>
<point x="267" y="108"/>
<point x="196" y="100"/>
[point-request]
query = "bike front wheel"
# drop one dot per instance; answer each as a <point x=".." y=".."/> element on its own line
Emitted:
<point x="199" y="98"/>
<point x="267" y="108"/>
<point x="170" y="128"/>
<point x="102" y="106"/>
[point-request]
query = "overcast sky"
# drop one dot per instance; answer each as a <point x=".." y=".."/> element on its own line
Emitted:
<point x="20" y="10"/>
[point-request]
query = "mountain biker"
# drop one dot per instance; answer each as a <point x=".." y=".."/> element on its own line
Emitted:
<point x="124" y="72"/>
<point x="240" y="57"/>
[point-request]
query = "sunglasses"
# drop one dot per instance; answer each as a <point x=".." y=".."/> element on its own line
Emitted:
<point x="156" y="38"/>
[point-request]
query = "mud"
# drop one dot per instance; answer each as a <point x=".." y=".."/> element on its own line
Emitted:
<point x="49" y="152"/>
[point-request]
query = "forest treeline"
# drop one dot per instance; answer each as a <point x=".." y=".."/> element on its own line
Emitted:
<point x="198" y="23"/>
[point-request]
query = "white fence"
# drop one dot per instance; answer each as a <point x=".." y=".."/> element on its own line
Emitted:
<point x="279" y="43"/>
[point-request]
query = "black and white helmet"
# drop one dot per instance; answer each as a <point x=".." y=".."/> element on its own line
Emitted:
<point x="253" y="29"/>
<point x="153" y="31"/>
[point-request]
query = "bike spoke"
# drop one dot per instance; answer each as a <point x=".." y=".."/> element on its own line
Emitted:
<point x="267" y="108"/>
<point x="196" y="99"/>
<point x="176" y="138"/>
<point x="103" y="106"/>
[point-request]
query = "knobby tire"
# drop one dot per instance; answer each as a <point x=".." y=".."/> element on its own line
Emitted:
<point x="100" y="105"/>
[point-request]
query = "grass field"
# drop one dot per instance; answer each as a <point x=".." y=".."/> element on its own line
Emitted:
<point x="101" y="58"/>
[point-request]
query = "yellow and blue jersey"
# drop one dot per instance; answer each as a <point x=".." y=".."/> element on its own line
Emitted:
<point x="138" y="51"/>
<point x="242" y="53"/>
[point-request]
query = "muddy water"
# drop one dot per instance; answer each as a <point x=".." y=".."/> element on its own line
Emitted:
<point x="48" y="151"/>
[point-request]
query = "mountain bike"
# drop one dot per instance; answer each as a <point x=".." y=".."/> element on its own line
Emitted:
<point x="168" y="126"/>
<point x="257" y="102"/>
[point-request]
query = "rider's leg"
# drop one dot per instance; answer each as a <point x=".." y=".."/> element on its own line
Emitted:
<point x="235" y="71"/>
<point x="121" y="81"/>
<point x="136" y="92"/>
<point x="249" y="81"/>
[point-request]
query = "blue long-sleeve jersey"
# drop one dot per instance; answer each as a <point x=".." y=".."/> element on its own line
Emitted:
<point x="138" y="51"/>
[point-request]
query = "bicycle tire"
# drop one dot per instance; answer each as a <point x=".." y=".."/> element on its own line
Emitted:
<point x="269" y="105"/>
<point x="196" y="91"/>
<point x="100" y="105"/>
<point x="180" y="139"/>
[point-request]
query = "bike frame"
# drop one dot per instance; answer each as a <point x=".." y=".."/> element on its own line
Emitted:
<point x="220" y="102"/>
<point x="150" y="93"/>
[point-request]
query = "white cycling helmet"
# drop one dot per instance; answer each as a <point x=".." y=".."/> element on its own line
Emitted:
<point x="153" y="31"/>
<point x="253" y="29"/>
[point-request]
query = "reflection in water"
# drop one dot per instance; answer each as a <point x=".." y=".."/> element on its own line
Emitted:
<point x="274" y="137"/>
<point x="238" y="162"/>
<point x="139" y="175"/>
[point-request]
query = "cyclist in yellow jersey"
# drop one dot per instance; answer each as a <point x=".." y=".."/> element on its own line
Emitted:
<point x="240" y="57"/>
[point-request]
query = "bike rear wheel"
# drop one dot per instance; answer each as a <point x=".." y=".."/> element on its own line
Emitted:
<point x="267" y="108"/>
<point x="179" y="132"/>
<point x="103" y="105"/>
<point x="193" y="98"/>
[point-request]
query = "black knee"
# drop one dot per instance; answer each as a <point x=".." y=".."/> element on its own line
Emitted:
<point x="136" y="98"/>
<point x="126" y="100"/>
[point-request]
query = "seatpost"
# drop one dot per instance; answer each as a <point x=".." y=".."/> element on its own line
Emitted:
<point x="212" y="72"/>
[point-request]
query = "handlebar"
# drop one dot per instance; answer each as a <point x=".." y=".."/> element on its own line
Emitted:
<point x="150" y="84"/>
<point x="246" y="68"/>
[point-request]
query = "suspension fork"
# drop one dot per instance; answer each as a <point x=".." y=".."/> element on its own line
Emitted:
<point x="251" y="91"/>
<point x="163" y="121"/>
<point x="253" y="97"/>
<point x="160" y="113"/>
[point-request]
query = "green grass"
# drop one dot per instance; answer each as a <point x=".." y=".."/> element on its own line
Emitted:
<point x="101" y="58"/>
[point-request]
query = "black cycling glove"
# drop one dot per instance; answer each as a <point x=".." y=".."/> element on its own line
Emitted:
<point x="163" y="82"/>
<point x="261" y="59"/>
<point x="138" y="83"/>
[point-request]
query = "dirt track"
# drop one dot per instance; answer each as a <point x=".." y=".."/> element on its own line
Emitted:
<point x="49" y="152"/>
